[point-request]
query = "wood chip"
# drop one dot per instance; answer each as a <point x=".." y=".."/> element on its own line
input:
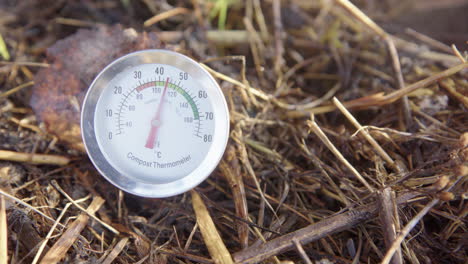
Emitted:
<point x="60" y="248"/>
<point x="116" y="251"/>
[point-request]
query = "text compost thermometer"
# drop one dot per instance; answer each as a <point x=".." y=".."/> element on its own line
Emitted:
<point x="155" y="123"/>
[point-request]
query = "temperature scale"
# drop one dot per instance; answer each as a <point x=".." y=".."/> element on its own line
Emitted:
<point x="155" y="123"/>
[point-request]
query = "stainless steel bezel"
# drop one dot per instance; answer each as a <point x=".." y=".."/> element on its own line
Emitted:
<point x="129" y="184"/>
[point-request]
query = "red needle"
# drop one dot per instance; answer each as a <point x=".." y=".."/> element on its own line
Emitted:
<point x="156" y="121"/>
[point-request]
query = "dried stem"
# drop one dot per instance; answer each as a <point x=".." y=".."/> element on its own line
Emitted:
<point x="16" y="89"/>
<point x="301" y="251"/>
<point x="27" y="205"/>
<point x="389" y="216"/>
<point x="430" y="41"/>
<point x="116" y="251"/>
<point x="316" y="129"/>
<point x="279" y="35"/>
<point x="213" y="241"/>
<point x="380" y="99"/>
<point x="33" y="158"/>
<point x="312" y="232"/>
<point x="238" y="191"/>
<point x="411" y="224"/>
<point x="3" y="233"/>
<point x="458" y="54"/>
<point x="366" y="135"/>
<point x="391" y="48"/>
<point x="405" y="231"/>
<point x="165" y="15"/>
<point x="49" y="234"/>
<point x="60" y="248"/>
<point x="91" y="214"/>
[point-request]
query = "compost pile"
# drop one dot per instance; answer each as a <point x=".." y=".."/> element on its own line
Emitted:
<point x="348" y="137"/>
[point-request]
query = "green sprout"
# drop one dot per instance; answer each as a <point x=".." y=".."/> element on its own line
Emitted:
<point x="220" y="9"/>
<point x="3" y="49"/>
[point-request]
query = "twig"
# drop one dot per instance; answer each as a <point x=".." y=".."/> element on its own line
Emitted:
<point x="400" y="81"/>
<point x="312" y="232"/>
<point x="358" y="252"/>
<point x="246" y="94"/>
<point x="270" y="153"/>
<point x="60" y="248"/>
<point x="31" y="127"/>
<point x="256" y="46"/>
<point x="185" y="255"/>
<point x="228" y="37"/>
<point x="411" y="224"/>
<point x="317" y="163"/>
<point x="197" y="10"/>
<point x="391" y="49"/>
<point x="27" y="205"/>
<point x="75" y="22"/>
<point x="244" y="158"/>
<point x="430" y="41"/>
<point x="262" y="95"/>
<point x="224" y="77"/>
<point x="165" y="15"/>
<point x="392" y="97"/>
<point x="213" y="241"/>
<point x="56" y="186"/>
<point x="3" y="232"/>
<point x="279" y="47"/>
<point x="120" y="200"/>
<point x="33" y="158"/>
<point x="457" y="53"/>
<point x="25" y="63"/>
<point x="16" y="89"/>
<point x="369" y="68"/>
<point x="49" y="235"/>
<point x="451" y="88"/>
<point x="116" y="251"/>
<point x="316" y="129"/>
<point x="366" y="134"/>
<point x="415" y="50"/>
<point x="319" y="101"/>
<point x="260" y="18"/>
<point x="273" y="200"/>
<point x="301" y="251"/>
<point x="142" y="260"/>
<point x="435" y="121"/>
<point x="231" y="172"/>
<point x="388" y="217"/>
<point x="380" y="99"/>
<point x="225" y="38"/>
<point x="189" y="239"/>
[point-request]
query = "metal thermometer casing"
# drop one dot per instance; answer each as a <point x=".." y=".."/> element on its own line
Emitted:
<point x="155" y="123"/>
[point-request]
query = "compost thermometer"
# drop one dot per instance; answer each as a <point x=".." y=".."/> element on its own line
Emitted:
<point x="155" y="123"/>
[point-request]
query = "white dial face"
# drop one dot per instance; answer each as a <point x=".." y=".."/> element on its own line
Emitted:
<point x="154" y="123"/>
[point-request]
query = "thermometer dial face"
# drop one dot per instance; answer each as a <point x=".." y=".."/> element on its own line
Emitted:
<point x="155" y="123"/>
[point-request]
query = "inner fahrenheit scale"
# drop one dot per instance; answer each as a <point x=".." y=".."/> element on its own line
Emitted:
<point x="156" y="88"/>
<point x="154" y="122"/>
